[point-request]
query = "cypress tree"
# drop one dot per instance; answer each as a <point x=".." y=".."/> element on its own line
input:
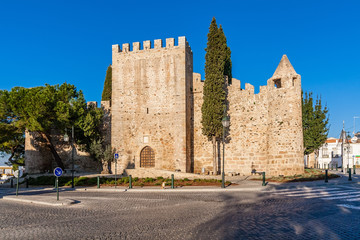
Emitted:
<point x="214" y="94"/>
<point x="226" y="55"/>
<point x="106" y="94"/>
<point x="315" y="123"/>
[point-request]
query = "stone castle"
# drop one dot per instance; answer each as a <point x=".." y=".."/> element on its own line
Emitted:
<point x="155" y="115"/>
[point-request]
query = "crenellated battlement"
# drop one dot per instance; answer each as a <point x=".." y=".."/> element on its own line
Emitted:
<point x="147" y="45"/>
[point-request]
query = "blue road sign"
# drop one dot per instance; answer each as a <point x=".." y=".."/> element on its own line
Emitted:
<point x="58" y="172"/>
<point x="116" y="155"/>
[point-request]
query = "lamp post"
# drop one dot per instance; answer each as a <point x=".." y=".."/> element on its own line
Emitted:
<point x="226" y="123"/>
<point x="66" y="139"/>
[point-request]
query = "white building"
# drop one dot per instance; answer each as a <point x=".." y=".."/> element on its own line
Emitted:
<point x="330" y="153"/>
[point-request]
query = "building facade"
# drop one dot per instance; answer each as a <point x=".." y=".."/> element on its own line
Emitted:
<point x="330" y="154"/>
<point x="154" y="120"/>
<point x="156" y="115"/>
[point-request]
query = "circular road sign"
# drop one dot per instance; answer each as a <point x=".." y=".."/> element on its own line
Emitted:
<point x="17" y="173"/>
<point x="58" y="172"/>
<point x="116" y="155"/>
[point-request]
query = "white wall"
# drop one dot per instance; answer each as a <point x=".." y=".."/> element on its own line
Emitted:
<point x="330" y="153"/>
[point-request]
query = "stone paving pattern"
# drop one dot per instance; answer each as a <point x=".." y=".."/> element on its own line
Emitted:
<point x="185" y="215"/>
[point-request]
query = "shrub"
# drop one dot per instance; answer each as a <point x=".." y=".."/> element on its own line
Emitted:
<point x="149" y="180"/>
<point x="159" y="178"/>
<point x="92" y="181"/>
<point x="125" y="180"/>
<point x="186" y="179"/>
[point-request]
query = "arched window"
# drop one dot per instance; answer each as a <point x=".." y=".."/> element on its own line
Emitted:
<point x="147" y="157"/>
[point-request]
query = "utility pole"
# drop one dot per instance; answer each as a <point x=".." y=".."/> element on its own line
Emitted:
<point x="72" y="157"/>
<point x="342" y="147"/>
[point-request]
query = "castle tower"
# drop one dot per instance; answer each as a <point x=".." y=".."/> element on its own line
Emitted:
<point x="151" y="112"/>
<point x="285" y="138"/>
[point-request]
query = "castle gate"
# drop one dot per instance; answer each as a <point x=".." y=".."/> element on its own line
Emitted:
<point x="147" y="157"/>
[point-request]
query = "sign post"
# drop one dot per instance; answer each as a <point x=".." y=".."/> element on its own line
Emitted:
<point x="17" y="174"/>
<point x="116" y="156"/>
<point x="57" y="172"/>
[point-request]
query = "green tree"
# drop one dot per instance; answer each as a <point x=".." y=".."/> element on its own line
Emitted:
<point x="12" y="141"/>
<point x="49" y="109"/>
<point x="226" y="55"/>
<point x="102" y="153"/>
<point x="106" y="94"/>
<point x="217" y="64"/>
<point x="315" y="122"/>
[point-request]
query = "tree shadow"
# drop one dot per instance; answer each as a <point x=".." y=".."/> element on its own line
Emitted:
<point x="272" y="217"/>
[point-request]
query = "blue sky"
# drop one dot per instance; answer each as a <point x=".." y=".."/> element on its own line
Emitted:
<point x="57" y="41"/>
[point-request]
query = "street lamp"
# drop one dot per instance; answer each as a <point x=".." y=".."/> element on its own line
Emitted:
<point x="226" y="123"/>
<point x="66" y="139"/>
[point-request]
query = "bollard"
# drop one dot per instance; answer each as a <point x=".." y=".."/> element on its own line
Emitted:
<point x="332" y="166"/>
<point x="350" y="175"/>
<point x="336" y="166"/>
<point x="326" y="175"/>
<point x="263" y="175"/>
<point x="11" y="183"/>
<point x="354" y="167"/>
<point x="172" y="181"/>
<point x="130" y="181"/>
<point x="98" y="182"/>
<point x="27" y="182"/>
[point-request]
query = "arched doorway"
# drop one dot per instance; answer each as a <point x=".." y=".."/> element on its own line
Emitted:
<point x="147" y="157"/>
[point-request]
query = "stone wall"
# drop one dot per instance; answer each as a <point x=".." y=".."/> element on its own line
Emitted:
<point x="266" y="128"/>
<point x="156" y="102"/>
<point x="38" y="158"/>
<point x="151" y="103"/>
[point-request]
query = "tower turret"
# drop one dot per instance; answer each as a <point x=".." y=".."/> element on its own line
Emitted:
<point x="285" y="151"/>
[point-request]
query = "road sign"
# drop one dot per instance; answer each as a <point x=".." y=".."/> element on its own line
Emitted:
<point x="58" y="172"/>
<point x="18" y="173"/>
<point x="116" y="155"/>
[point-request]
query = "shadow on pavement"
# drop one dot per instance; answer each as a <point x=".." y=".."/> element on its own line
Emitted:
<point x="280" y="217"/>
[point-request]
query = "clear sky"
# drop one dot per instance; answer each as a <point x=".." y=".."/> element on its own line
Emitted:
<point x="57" y="41"/>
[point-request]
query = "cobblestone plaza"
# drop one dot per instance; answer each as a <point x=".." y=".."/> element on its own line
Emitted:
<point x="297" y="212"/>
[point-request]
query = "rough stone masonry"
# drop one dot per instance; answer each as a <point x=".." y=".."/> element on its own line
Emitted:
<point x="156" y="115"/>
<point x="154" y="121"/>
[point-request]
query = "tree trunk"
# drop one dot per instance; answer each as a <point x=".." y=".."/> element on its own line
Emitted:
<point x="49" y="144"/>
<point x="13" y="151"/>
<point x="105" y="168"/>
<point x="214" y="155"/>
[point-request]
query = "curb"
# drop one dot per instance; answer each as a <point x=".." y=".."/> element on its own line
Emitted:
<point x="64" y="202"/>
<point x="169" y="190"/>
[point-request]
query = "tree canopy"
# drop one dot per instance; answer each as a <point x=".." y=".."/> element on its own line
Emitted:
<point x="46" y="109"/>
<point x="217" y="65"/>
<point x="214" y="86"/>
<point x="12" y="140"/>
<point x="106" y="94"/>
<point x="315" y="122"/>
